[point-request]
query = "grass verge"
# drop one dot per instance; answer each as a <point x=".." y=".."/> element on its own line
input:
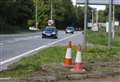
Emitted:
<point x="101" y="38"/>
<point x="56" y="54"/>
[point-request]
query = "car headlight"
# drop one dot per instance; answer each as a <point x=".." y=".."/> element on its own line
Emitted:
<point x="53" y="33"/>
<point x="43" y="32"/>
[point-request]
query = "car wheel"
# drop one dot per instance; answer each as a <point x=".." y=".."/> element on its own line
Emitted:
<point x="55" y="37"/>
<point x="43" y="36"/>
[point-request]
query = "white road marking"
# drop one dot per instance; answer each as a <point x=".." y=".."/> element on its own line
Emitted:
<point x="1" y="44"/>
<point x="22" y="39"/>
<point x="31" y="51"/>
<point x="5" y="78"/>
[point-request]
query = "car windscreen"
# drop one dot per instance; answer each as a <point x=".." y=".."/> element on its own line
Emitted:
<point x="50" y="29"/>
<point x="70" y="28"/>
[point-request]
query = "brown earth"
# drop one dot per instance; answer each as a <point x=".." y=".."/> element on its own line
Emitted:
<point x="105" y="79"/>
<point x="95" y="72"/>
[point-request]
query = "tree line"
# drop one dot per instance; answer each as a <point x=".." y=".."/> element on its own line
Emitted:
<point x="18" y="15"/>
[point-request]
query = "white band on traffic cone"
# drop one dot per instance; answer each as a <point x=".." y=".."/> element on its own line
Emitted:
<point x="78" y="57"/>
<point x="68" y="53"/>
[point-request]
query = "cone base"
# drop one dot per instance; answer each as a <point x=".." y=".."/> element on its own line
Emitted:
<point x="78" y="71"/>
<point x="68" y="66"/>
<point x="79" y="67"/>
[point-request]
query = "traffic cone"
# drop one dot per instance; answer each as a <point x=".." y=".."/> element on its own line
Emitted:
<point x="68" y="56"/>
<point x="79" y="66"/>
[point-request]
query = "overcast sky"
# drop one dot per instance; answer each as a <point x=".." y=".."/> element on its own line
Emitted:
<point x="99" y="7"/>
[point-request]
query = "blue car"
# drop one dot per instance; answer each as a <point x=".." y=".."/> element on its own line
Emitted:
<point x="50" y="32"/>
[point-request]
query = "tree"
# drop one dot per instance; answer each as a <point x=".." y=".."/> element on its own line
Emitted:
<point x="4" y="12"/>
<point x="22" y="10"/>
<point x="79" y="17"/>
<point x="14" y="14"/>
<point x="42" y="10"/>
<point x="102" y="16"/>
<point x="63" y="13"/>
<point x="117" y="13"/>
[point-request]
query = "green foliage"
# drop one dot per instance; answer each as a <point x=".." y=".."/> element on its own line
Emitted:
<point x="79" y="16"/>
<point x="14" y="14"/>
<point x="30" y="22"/>
<point x="117" y="13"/>
<point x="64" y="13"/>
<point x="102" y="16"/>
<point x="42" y="12"/>
<point x="19" y="14"/>
<point x="103" y="38"/>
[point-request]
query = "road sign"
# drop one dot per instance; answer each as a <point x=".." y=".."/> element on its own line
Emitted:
<point x="50" y="22"/>
<point x="98" y="2"/>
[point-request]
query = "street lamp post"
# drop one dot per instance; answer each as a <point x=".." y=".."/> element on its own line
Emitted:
<point x="51" y="10"/>
<point x="97" y="17"/>
<point x="85" y="23"/>
<point x="36" y="14"/>
<point x="92" y="17"/>
<point x="110" y="25"/>
<point x="113" y="29"/>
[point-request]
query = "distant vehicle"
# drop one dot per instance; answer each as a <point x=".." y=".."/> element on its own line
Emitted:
<point x="50" y="32"/>
<point x="78" y="29"/>
<point x="69" y="30"/>
<point x="32" y="28"/>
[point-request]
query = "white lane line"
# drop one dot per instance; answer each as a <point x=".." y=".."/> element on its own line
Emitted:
<point x="5" y="78"/>
<point x="1" y="44"/>
<point x="22" y="39"/>
<point x="31" y="51"/>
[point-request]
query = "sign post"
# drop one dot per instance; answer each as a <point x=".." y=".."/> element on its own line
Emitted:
<point x="85" y="23"/>
<point x="100" y="2"/>
<point x="36" y="14"/>
<point x="110" y="25"/>
<point x="113" y="33"/>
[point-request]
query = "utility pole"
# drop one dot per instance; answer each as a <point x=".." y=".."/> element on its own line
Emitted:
<point x="36" y="14"/>
<point x="113" y="28"/>
<point x="92" y="17"/>
<point x="97" y="18"/>
<point x="51" y="10"/>
<point x="110" y="25"/>
<point x="85" y="23"/>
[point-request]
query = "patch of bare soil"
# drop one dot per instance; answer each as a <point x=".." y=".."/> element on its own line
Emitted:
<point x="94" y="71"/>
<point x="105" y="79"/>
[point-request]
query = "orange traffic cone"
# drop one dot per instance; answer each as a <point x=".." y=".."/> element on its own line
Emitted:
<point x="68" y="57"/>
<point x="79" y="66"/>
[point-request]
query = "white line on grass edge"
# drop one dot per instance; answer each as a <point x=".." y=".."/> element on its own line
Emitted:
<point x="31" y="51"/>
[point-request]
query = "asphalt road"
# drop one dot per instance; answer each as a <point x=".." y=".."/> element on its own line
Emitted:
<point x="15" y="46"/>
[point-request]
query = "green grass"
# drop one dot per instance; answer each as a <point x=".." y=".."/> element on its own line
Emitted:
<point x="56" y="54"/>
<point x="101" y="38"/>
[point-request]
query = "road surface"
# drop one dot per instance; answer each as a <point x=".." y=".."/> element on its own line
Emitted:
<point x="15" y="46"/>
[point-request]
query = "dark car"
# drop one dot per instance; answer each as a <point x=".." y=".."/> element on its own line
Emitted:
<point x="69" y="30"/>
<point x="50" y="32"/>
